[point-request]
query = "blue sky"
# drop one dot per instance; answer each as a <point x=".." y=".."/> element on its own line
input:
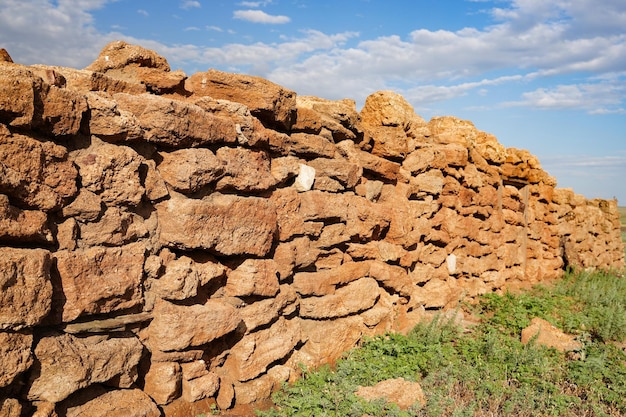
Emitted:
<point x="544" y="75"/>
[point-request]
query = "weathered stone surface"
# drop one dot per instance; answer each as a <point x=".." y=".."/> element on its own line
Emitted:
<point x="374" y="165"/>
<point x="64" y="364"/>
<point x="391" y="124"/>
<point x="245" y="170"/>
<point x="262" y="387"/>
<point x="100" y="280"/>
<point x="304" y="145"/>
<point x="19" y="89"/>
<point x="110" y="123"/>
<point x="346" y="173"/>
<point x="15" y="355"/>
<point x="327" y="340"/>
<point x="117" y="227"/>
<point x="63" y="111"/>
<point x="21" y="226"/>
<point x="10" y="407"/>
<point x="226" y="224"/>
<point x="338" y="117"/>
<point x="253" y="277"/>
<point x="4" y="56"/>
<point x="399" y="391"/>
<point x="177" y="327"/>
<point x="36" y="174"/>
<point x="250" y="131"/>
<point x="274" y="105"/>
<point x="117" y="403"/>
<point x="119" y="54"/>
<point x="251" y="356"/>
<point x="180" y="280"/>
<point x="163" y="382"/>
<point x="353" y="298"/>
<point x="87" y="206"/>
<point x="176" y="124"/>
<point x="266" y="311"/>
<point x="111" y="172"/>
<point x="26" y="295"/>
<point x="198" y="382"/>
<point x="324" y="282"/>
<point x="188" y="170"/>
<point x="544" y="333"/>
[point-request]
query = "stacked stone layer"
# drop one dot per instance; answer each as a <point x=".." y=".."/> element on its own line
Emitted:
<point x="168" y="240"/>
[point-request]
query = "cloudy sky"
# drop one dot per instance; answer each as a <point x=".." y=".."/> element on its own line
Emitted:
<point x="544" y="75"/>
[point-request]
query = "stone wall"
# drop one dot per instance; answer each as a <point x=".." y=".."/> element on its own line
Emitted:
<point x="168" y="240"/>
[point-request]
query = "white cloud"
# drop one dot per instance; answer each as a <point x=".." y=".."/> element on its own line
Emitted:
<point x="259" y="16"/>
<point x="143" y="12"/>
<point x="190" y="4"/>
<point x="215" y="28"/>
<point x="255" y="4"/>
<point x="604" y="97"/>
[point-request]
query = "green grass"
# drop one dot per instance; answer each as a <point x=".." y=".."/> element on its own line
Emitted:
<point x="488" y="371"/>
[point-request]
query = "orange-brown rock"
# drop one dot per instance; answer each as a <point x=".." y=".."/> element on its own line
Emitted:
<point x="64" y="364"/>
<point x="163" y="382"/>
<point x="226" y="224"/>
<point x="26" y="296"/>
<point x="253" y="277"/>
<point x="178" y="327"/>
<point x="4" y="56"/>
<point x="118" y="403"/>
<point x="100" y="279"/>
<point x="274" y="105"/>
<point x="15" y="355"/>
<point x="543" y="333"/>
<point x="188" y="170"/>
<point x="22" y="226"/>
<point x="398" y="391"/>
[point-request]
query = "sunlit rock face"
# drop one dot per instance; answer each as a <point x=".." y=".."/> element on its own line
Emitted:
<point x="171" y="242"/>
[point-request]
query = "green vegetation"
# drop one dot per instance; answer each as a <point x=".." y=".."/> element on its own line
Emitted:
<point x="487" y="371"/>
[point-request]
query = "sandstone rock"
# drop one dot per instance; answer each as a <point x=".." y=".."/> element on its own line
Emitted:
<point x="110" y="123"/>
<point x="339" y="117"/>
<point x="399" y="391"/>
<point x="263" y="312"/>
<point x="544" y="333"/>
<point x="19" y="89"/>
<point x="253" y="277"/>
<point x="21" y="226"/>
<point x="63" y="111"/>
<point x="391" y="123"/>
<point x="119" y="54"/>
<point x="116" y="228"/>
<point x="353" y="298"/>
<point x="262" y="387"/>
<point x="177" y="327"/>
<point x="64" y="364"/>
<point x="304" y="145"/>
<point x="252" y="356"/>
<point x="87" y="206"/>
<point x="376" y="250"/>
<point x="175" y="124"/>
<point x="295" y="254"/>
<point x="250" y="131"/>
<point x="327" y="340"/>
<point x="156" y="188"/>
<point x="117" y="403"/>
<point x="10" y="407"/>
<point x="26" y="295"/>
<point x="274" y="105"/>
<point x="198" y="382"/>
<point x="188" y="170"/>
<point x="15" y="355"/>
<point x="245" y="170"/>
<point x="373" y="165"/>
<point x="179" y="282"/>
<point x="4" y="56"/>
<point x="346" y="173"/>
<point x="36" y="174"/>
<point x="392" y="277"/>
<point x="226" y="224"/>
<point x="111" y="172"/>
<point x="100" y="280"/>
<point x="324" y="282"/>
<point x="437" y="293"/>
